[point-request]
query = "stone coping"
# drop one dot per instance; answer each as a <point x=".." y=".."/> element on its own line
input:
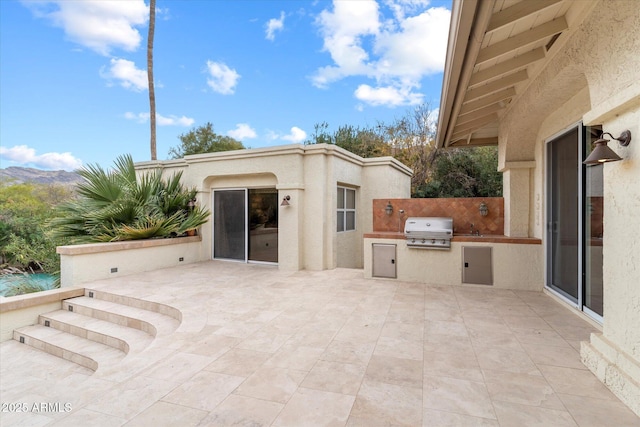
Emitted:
<point x="38" y="298"/>
<point x="486" y="238"/>
<point x="95" y="248"/>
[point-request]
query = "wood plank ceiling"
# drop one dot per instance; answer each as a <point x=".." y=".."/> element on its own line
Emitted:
<point x="518" y="38"/>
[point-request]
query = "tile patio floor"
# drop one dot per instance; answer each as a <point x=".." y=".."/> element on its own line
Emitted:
<point x="261" y="347"/>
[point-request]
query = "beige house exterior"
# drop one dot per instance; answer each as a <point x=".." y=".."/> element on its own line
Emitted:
<point x="312" y="179"/>
<point x="542" y="79"/>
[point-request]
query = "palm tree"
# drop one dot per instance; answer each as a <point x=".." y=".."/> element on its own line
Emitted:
<point x="152" y="92"/>
<point x="119" y="205"/>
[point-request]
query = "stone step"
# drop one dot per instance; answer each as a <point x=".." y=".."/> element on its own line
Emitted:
<point x="117" y="336"/>
<point x="82" y="351"/>
<point x="130" y="301"/>
<point x="151" y="322"/>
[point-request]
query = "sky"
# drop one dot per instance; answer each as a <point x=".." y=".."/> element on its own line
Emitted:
<point x="73" y="79"/>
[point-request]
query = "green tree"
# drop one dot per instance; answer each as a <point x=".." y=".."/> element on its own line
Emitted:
<point x="413" y="140"/>
<point x="202" y="140"/>
<point x="365" y="142"/>
<point x="464" y="172"/>
<point x="25" y="240"/>
<point x="120" y="205"/>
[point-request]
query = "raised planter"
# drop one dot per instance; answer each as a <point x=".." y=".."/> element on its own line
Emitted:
<point x="95" y="261"/>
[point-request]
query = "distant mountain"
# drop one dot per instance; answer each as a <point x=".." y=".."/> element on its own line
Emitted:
<point x="19" y="175"/>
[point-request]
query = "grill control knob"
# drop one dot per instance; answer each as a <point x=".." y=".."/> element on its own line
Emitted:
<point x="413" y="240"/>
<point x="423" y="240"/>
<point x="433" y="241"/>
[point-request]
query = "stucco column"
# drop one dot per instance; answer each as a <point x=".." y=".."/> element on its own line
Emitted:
<point x="516" y="190"/>
<point x="614" y="355"/>
<point x="290" y="233"/>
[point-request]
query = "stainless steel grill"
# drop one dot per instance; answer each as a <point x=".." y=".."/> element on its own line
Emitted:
<point x="429" y="232"/>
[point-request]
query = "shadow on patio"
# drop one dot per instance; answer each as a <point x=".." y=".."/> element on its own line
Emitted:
<point x="261" y="347"/>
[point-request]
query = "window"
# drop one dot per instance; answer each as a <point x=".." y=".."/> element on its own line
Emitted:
<point x="346" y="209"/>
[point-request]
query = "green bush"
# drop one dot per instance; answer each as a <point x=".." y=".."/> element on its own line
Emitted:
<point x="120" y="205"/>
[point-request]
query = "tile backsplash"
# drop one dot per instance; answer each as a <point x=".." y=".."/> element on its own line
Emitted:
<point x="464" y="211"/>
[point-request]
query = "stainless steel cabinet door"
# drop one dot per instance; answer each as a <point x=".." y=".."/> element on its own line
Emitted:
<point x="477" y="265"/>
<point x="384" y="260"/>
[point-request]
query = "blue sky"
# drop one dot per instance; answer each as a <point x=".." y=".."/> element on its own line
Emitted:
<point x="73" y="85"/>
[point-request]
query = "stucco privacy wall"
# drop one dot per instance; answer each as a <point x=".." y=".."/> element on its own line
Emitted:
<point x="309" y="174"/>
<point x="593" y="78"/>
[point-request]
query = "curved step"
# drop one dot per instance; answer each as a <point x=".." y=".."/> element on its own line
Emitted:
<point x="117" y="336"/>
<point x="84" y="352"/>
<point x="138" y="318"/>
<point x="156" y="307"/>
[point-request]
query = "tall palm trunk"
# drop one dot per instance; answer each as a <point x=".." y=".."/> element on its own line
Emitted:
<point x="152" y="92"/>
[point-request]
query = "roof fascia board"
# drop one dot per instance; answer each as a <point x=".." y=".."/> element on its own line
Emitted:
<point x="469" y="20"/>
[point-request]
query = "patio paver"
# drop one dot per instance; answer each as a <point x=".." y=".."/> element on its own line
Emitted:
<point x="257" y="346"/>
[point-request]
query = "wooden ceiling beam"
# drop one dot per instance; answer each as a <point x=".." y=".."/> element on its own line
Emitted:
<point x="507" y="66"/>
<point x="474" y="125"/>
<point x="503" y="83"/>
<point x="517" y="12"/>
<point x="474" y="142"/>
<point x="525" y="38"/>
<point x="488" y="100"/>
<point x="489" y="109"/>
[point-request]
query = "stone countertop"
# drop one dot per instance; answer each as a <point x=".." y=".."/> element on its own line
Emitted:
<point x="485" y="238"/>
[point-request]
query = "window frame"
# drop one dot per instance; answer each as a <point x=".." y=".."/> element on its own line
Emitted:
<point x="344" y="210"/>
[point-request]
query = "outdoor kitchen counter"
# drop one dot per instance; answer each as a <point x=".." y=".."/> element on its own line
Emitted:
<point x="486" y="238"/>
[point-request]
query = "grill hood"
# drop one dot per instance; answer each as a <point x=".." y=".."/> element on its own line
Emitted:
<point x="429" y="232"/>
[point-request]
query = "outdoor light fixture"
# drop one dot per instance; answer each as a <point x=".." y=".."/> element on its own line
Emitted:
<point x="484" y="210"/>
<point x="191" y="204"/>
<point x="602" y="153"/>
<point x="389" y="209"/>
<point x="285" y="201"/>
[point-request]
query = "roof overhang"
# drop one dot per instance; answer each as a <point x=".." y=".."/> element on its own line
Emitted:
<point x="496" y="49"/>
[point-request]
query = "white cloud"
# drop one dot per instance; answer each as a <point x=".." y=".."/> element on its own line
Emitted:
<point x="222" y="79"/>
<point x="343" y="31"/>
<point x="274" y="25"/>
<point x="389" y="96"/>
<point x="161" y="120"/>
<point x="98" y="25"/>
<point x="24" y="155"/>
<point x="401" y="7"/>
<point x="242" y="131"/>
<point x="395" y="51"/>
<point x="296" y="135"/>
<point x="419" y="48"/>
<point x="126" y="73"/>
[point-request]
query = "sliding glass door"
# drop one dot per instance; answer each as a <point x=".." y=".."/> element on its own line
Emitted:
<point x="574" y="220"/>
<point x="562" y="217"/>
<point x="593" y="233"/>
<point x="245" y="224"/>
<point x="229" y="224"/>
<point x="263" y="225"/>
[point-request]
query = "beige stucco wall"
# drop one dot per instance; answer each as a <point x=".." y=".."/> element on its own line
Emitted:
<point x="593" y="78"/>
<point x="436" y="267"/>
<point x="85" y="263"/>
<point x="309" y="174"/>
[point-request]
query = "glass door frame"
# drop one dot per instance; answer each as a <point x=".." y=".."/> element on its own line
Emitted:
<point x="581" y="200"/>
